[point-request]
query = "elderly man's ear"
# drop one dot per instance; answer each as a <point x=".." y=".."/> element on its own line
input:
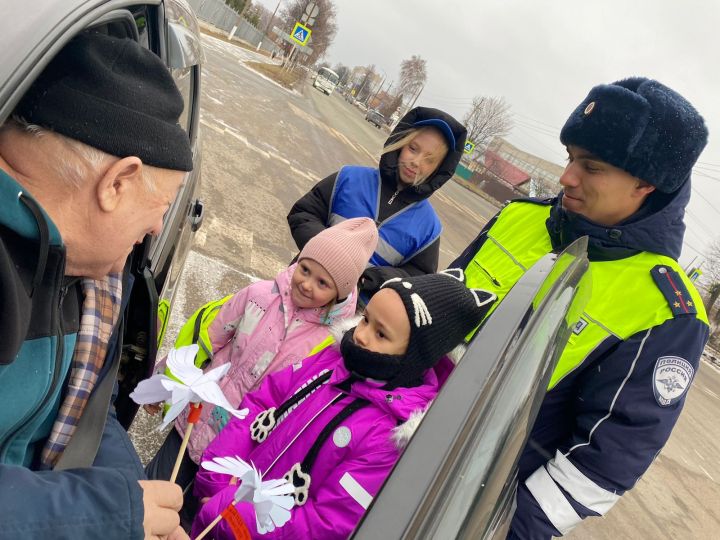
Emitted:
<point x="124" y="177"/>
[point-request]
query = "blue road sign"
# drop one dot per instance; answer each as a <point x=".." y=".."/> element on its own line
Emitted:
<point x="300" y="34"/>
<point x="469" y="147"/>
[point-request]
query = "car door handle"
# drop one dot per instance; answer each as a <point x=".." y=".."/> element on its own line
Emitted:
<point x="196" y="215"/>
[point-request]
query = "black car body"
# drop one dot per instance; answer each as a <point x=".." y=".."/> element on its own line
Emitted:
<point x="32" y="35"/>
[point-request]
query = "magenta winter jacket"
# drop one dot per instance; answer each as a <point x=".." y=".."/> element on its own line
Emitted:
<point x="259" y="331"/>
<point x="352" y="463"/>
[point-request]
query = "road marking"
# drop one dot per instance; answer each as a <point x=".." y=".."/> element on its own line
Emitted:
<point x="312" y="176"/>
<point x="685" y="460"/>
<point x="699" y="455"/>
<point x="211" y="126"/>
<point x="706" y="473"/>
<point x="710" y="392"/>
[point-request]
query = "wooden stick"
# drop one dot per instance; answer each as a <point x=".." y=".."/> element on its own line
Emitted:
<point x="188" y="430"/>
<point x="209" y="528"/>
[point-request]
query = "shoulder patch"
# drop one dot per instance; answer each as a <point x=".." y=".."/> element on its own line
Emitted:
<point x="674" y="290"/>
<point x="671" y="379"/>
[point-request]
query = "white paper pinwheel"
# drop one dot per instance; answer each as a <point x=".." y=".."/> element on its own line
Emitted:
<point x="271" y="499"/>
<point x="191" y="386"/>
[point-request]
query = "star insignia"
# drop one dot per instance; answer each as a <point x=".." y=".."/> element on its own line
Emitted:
<point x="689" y="303"/>
<point x="677" y="304"/>
<point x="678" y="293"/>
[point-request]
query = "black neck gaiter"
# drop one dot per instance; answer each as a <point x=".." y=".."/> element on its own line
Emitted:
<point x="369" y="364"/>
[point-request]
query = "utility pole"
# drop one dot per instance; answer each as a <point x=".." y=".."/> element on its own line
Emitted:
<point x="376" y="91"/>
<point x="272" y="18"/>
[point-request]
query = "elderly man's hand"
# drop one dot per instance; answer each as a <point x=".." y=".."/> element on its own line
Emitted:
<point x="162" y="500"/>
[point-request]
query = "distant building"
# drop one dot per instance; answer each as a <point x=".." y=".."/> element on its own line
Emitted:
<point x="505" y="172"/>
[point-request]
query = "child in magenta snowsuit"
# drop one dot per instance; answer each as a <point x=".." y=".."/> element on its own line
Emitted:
<point x="334" y="424"/>
<point x="272" y="324"/>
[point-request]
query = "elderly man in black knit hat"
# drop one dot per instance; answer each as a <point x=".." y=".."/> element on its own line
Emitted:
<point x="621" y="382"/>
<point x="90" y="162"/>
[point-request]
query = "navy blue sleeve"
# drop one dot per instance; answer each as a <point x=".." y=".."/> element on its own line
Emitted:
<point x="626" y="406"/>
<point x="117" y="451"/>
<point x="104" y="501"/>
<point x="79" y="504"/>
<point x="308" y="216"/>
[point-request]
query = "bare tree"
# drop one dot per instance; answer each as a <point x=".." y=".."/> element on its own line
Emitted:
<point x="365" y="85"/>
<point x="711" y="277"/>
<point x="413" y="75"/>
<point x="488" y="117"/>
<point x="237" y="5"/>
<point x="343" y="72"/>
<point x="323" y="30"/>
<point x="388" y="108"/>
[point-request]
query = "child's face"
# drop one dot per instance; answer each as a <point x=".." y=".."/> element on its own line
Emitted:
<point x="385" y="327"/>
<point x="311" y="285"/>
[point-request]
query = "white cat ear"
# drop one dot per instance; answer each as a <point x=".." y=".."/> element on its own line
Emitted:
<point x="391" y="280"/>
<point x="483" y="297"/>
<point x="456" y="273"/>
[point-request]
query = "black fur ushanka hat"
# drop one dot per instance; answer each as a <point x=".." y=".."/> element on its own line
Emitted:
<point x="642" y="127"/>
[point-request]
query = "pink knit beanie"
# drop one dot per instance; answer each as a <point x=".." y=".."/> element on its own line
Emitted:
<point x="344" y="251"/>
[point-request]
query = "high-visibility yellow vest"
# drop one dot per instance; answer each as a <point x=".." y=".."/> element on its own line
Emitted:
<point x="624" y="299"/>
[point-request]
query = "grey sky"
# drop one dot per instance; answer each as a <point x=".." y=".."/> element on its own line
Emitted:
<point x="543" y="57"/>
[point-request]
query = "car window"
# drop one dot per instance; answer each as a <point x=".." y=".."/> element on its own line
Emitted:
<point x="184" y="78"/>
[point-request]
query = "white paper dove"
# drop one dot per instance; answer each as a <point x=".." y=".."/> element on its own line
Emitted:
<point x="271" y="499"/>
<point x="192" y="386"/>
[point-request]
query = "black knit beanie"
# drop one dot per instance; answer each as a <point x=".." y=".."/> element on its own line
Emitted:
<point x="114" y="95"/>
<point x="442" y="311"/>
<point x="642" y="127"/>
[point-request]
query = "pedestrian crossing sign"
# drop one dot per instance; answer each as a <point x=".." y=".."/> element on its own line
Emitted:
<point x="469" y="147"/>
<point x="301" y="34"/>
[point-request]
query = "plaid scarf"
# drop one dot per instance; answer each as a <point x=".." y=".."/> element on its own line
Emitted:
<point x="100" y="313"/>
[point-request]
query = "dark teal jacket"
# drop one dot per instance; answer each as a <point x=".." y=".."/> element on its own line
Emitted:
<point x="39" y="319"/>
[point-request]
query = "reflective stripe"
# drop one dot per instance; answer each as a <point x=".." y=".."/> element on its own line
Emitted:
<point x="552" y="501"/>
<point x="356" y="491"/>
<point x="388" y="253"/>
<point x="335" y="219"/>
<point x="582" y="489"/>
<point x="612" y="405"/>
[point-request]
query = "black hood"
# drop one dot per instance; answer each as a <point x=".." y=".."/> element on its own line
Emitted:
<point x="657" y="227"/>
<point x="389" y="161"/>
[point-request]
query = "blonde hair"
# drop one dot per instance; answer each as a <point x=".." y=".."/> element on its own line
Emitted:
<point x="80" y="160"/>
<point x="406" y="137"/>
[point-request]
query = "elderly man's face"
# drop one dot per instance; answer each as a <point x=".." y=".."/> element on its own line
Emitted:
<point x="122" y="212"/>
<point x="143" y="214"/>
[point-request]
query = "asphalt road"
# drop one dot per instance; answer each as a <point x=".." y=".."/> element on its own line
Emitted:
<point x="265" y="146"/>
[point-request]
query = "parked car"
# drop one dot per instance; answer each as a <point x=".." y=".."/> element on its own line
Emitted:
<point x="169" y="29"/>
<point x="376" y="118"/>
<point x="457" y="477"/>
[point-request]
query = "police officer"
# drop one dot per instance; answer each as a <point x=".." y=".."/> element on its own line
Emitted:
<point x="621" y="382"/>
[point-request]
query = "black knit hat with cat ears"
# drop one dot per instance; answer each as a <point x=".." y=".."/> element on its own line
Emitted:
<point x="442" y="311"/>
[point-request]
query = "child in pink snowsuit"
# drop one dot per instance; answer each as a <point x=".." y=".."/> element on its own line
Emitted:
<point x="272" y="324"/>
<point x="328" y="423"/>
